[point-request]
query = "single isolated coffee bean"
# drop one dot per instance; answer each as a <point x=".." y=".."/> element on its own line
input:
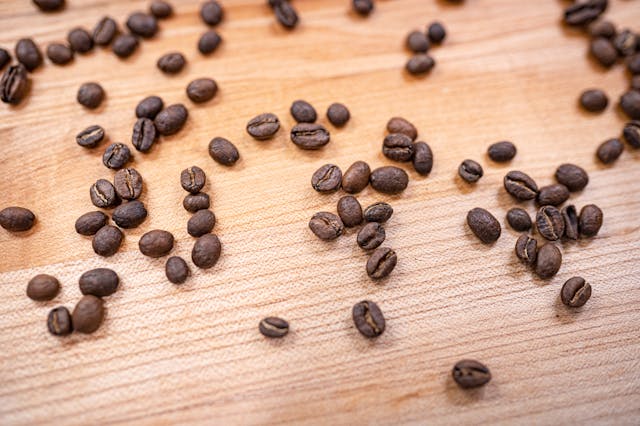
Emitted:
<point x="128" y="184"/>
<point x="104" y="31"/>
<point x="91" y="222"/>
<point x="403" y="126"/>
<point x="5" y="57"/>
<point x="156" y="243"/>
<point x="422" y="158"/>
<point x="326" y="226"/>
<point x="310" y="136"/>
<point x="99" y="282"/>
<point x="501" y="152"/>
<point x="263" y="126"/>
<point x="202" y="90"/>
<point x="285" y="14"/>
<point x="602" y="28"/>
<point x="350" y="211"/>
<point x="160" y="9"/>
<point x="211" y="13"/>
<point x="356" y="178"/>
<point x="177" y="270"/>
<point x="17" y="219"/>
<point x="171" y="119"/>
<point x="43" y="287"/>
<point x="378" y="212"/>
<point x="144" y="134"/>
<point x="171" y="63"/>
<point x="14" y="84"/>
<point x="90" y="95"/>
<point x="484" y="225"/>
<point x="626" y="42"/>
<point x="609" y="151"/>
<point x="142" y="24"/>
<point x="549" y="261"/>
<point x="206" y="251"/>
<point x="417" y="42"/>
<point x="80" y="40"/>
<point x="116" y="156"/>
<point x="389" y="180"/>
<point x="223" y="151"/>
<point x="630" y="104"/>
<point x="590" y="220"/>
<point x="88" y="314"/>
<point x="59" y="54"/>
<point x="603" y="51"/>
<point x="470" y="374"/>
<point x="550" y="223"/>
<point x="584" y="12"/>
<point x="202" y="222"/>
<point x="398" y="147"/>
<point x="594" y="100"/>
<point x="631" y="134"/>
<point x="49" y="5"/>
<point x="362" y="7"/>
<point x="59" y="321"/>
<point x="194" y="202"/>
<point x="273" y="327"/>
<point x="130" y="215"/>
<point x="470" y="171"/>
<point x="553" y="195"/>
<point x="90" y="137"/>
<point x="575" y="178"/>
<point x="575" y="292"/>
<point x="520" y="186"/>
<point x="519" y="219"/>
<point x="381" y="263"/>
<point x="527" y="249"/>
<point x="303" y="112"/>
<point x="571" y="222"/>
<point x="193" y="179"/>
<point x="420" y="63"/>
<point x="371" y="236"/>
<point x="327" y="178"/>
<point x="149" y="107"/>
<point x="28" y="54"/>
<point x="436" y="32"/>
<point x="209" y="42"/>
<point x="107" y="241"/>
<point x="124" y="45"/>
<point x="368" y="319"/>
<point x="103" y="194"/>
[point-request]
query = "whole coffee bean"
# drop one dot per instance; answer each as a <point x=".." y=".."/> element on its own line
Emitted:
<point x="519" y="219"/>
<point x="327" y="178"/>
<point x="470" y="171"/>
<point x="436" y="32"/>
<point x="5" y="57"/>
<point x="326" y="226"/>
<point x="59" y="53"/>
<point x="417" y="42"/>
<point x="107" y="241"/>
<point x="103" y="194"/>
<point x="350" y="211"/>
<point x="129" y="215"/>
<point x="149" y="107"/>
<point x="144" y="134"/>
<point x="263" y="126"/>
<point x="469" y="374"/>
<point x="202" y="90"/>
<point x="420" y="63"/>
<point x="124" y="45"/>
<point x="90" y="95"/>
<point x="594" y="100"/>
<point x="371" y="236"/>
<point x="104" y="31"/>
<point x="49" y="5"/>
<point x="630" y="104"/>
<point x="584" y="12"/>
<point x="88" y="314"/>
<point x="91" y="222"/>
<point x="28" y="54"/>
<point x="80" y="40"/>
<point x="590" y="220"/>
<point x="398" y="147"/>
<point x="17" y="219"/>
<point x="631" y="134"/>
<point x="549" y="261"/>
<point x="156" y="243"/>
<point x="378" y="212"/>
<point x="633" y="64"/>
<point x="99" y="282"/>
<point x="626" y="42"/>
<point x="575" y="292"/>
<point x="527" y="249"/>
<point x="43" y="287"/>
<point x="571" y="225"/>
<point x="209" y="42"/>
<point x="142" y="25"/>
<point x="310" y="136"/>
<point x="553" y="195"/>
<point x="484" y="225"/>
<point x="381" y="263"/>
<point x="602" y="28"/>
<point x="171" y="119"/>
<point x="603" y="51"/>
<point x="14" y="84"/>
<point x="90" y="137"/>
<point x="356" y="178"/>
<point x="520" y="185"/>
<point x="223" y="151"/>
<point x="211" y="13"/>
<point x="116" y="156"/>
<point x="206" y="251"/>
<point x="193" y="179"/>
<point x="575" y="178"/>
<point x="502" y="152"/>
<point x="161" y="9"/>
<point x="362" y="7"/>
<point x="202" y="222"/>
<point x="303" y="112"/>
<point x="403" y="126"/>
<point x="422" y="158"/>
<point x="177" y="270"/>
<point x="389" y="180"/>
<point x="128" y="184"/>
<point x="171" y="63"/>
<point x="609" y="151"/>
<point x="194" y="202"/>
<point x="273" y="327"/>
<point x="59" y="321"/>
<point x="368" y="319"/>
<point x="286" y="14"/>
<point x="550" y="223"/>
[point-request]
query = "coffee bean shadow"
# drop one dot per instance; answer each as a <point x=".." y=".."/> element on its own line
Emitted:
<point x="409" y="78"/>
<point x="448" y="4"/>
<point x="463" y="186"/>
<point x="594" y="64"/>
<point x="573" y="32"/>
<point x="459" y="397"/>
<point x="564" y="314"/>
<point x="497" y="164"/>
<point x="24" y="234"/>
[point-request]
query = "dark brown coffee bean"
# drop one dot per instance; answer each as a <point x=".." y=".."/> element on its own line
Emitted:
<point x="371" y="236"/>
<point x="575" y="292"/>
<point x="603" y="51"/>
<point x="633" y="64"/>
<point x="130" y="215"/>
<point x="602" y="28"/>
<point x="326" y="226"/>
<point x="128" y="184"/>
<point x="631" y="134"/>
<point x="105" y="31"/>
<point x="285" y="14"/>
<point x="17" y="219"/>
<point x="609" y="151"/>
<point x="171" y="119"/>
<point x="362" y="7"/>
<point x="5" y="57"/>
<point x="202" y="90"/>
<point x="194" y="202"/>
<point x="49" y="5"/>
<point x="310" y="136"/>
<point x="519" y="219"/>
<point x="142" y="25"/>
<point x="28" y="54"/>
<point x="553" y="195"/>
<point x="14" y="84"/>
<point x="356" y="178"/>
<point x="88" y="314"/>
<point x="144" y="134"/>
<point x="90" y="137"/>
<point x="550" y="223"/>
<point x="469" y="374"/>
<point x="211" y="13"/>
<point x="202" y="222"/>
<point x="90" y="95"/>
<point x="59" y="321"/>
<point x="90" y="223"/>
<point x="584" y="12"/>
<point x="206" y="251"/>
<point x="303" y="112"/>
<point x="100" y="282"/>
<point x="590" y="220"/>
<point x="389" y="180"/>
<point x="193" y="179"/>
<point x="350" y="211"/>
<point x="263" y="126"/>
<point x="520" y="185"/>
<point x="502" y="152"/>
<point x="470" y="171"/>
<point x="398" y="147"/>
<point x="549" y="261"/>
<point x="571" y="227"/>
<point x="368" y="319"/>
<point x="626" y="42"/>
<point x="527" y="249"/>
<point x="177" y="270"/>
<point x="484" y="225"/>
<point x="327" y="178"/>
<point x="149" y="107"/>
<point x="43" y="287"/>
<point x="630" y="104"/>
<point x="273" y="327"/>
<point x="422" y="158"/>
<point x="124" y="45"/>
<point x="223" y="151"/>
<point x="107" y="241"/>
<point x="161" y="9"/>
<point x="594" y="100"/>
<point x="403" y="126"/>
<point x="436" y="32"/>
<point x="59" y="54"/>
<point x="103" y="194"/>
<point x="209" y="42"/>
<point x="80" y="40"/>
<point x="420" y="63"/>
<point x="171" y="63"/>
<point x="417" y="42"/>
<point x="378" y="212"/>
<point x="156" y="243"/>
<point x="575" y="178"/>
<point x="116" y="156"/>
<point x="381" y="263"/>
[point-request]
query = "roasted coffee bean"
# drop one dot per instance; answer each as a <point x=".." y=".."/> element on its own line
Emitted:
<point x="14" y="84"/>
<point x="626" y="42"/>
<point x="420" y="63"/>
<point x="594" y="100"/>
<point x="422" y="158"/>
<point x="527" y="249"/>
<point x="80" y="40"/>
<point x="303" y="112"/>
<point x="633" y="64"/>
<point x="206" y="251"/>
<point x="575" y="178"/>
<point x="223" y="151"/>
<point x="371" y="236"/>
<point x="149" y="107"/>
<point x="362" y="7"/>
<point x="88" y="314"/>
<point x="310" y="136"/>
<point x="171" y="119"/>
<point x="59" y="321"/>
<point x="553" y="195"/>
<point x="156" y="243"/>
<point x="263" y="126"/>
<point x="130" y="215"/>
<point x="43" y="287"/>
<point x="398" y="147"/>
<point x="128" y="184"/>
<point x="484" y="225"/>
<point x="286" y="14"/>
<point x="144" y="134"/>
<point x="17" y="219"/>
<point x="603" y="51"/>
<point x="378" y="212"/>
<point x="630" y="104"/>
<point x="59" y="54"/>
<point x="28" y="54"/>
<point x="602" y="28"/>
<point x="193" y="179"/>
<point x="5" y="57"/>
<point x="116" y="156"/>
<point x="470" y="171"/>
<point x="584" y="12"/>
<point x="590" y="220"/>
<point x="107" y="240"/>
<point x="142" y="25"/>
<point x="194" y="202"/>
<point x="389" y="180"/>
<point x="202" y="90"/>
<point x="609" y="151"/>
<point x="177" y="270"/>
<point x="469" y="374"/>
<point x="381" y="263"/>
<point x="575" y="292"/>
<point x="520" y="185"/>
<point x="171" y="63"/>
<point x="350" y="211"/>
<point x="417" y="42"/>
<point x="436" y="32"/>
<point x="631" y="134"/>
<point x="100" y="282"/>
<point x="209" y="42"/>
<point x="103" y="194"/>
<point x="273" y="327"/>
<point x="105" y="31"/>
<point x="49" y="5"/>
<point x="368" y="319"/>
<point x="202" y="222"/>
<point x="90" y="223"/>
<point x="519" y="219"/>
<point x="571" y="226"/>
<point x="211" y="13"/>
<point x="326" y="226"/>
<point x="403" y="126"/>
<point x="90" y="95"/>
<point x="327" y="178"/>
<point x="124" y="45"/>
<point x="356" y="178"/>
<point x="549" y="261"/>
<point x="550" y="223"/>
<point x="161" y="9"/>
<point x="502" y="152"/>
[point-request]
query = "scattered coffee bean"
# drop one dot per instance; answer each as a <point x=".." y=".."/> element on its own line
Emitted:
<point x="206" y="251"/>
<point x="28" y="54"/>
<point x="549" y="261"/>
<point x="389" y="180"/>
<point x="519" y="219"/>
<point x="550" y="223"/>
<point x="90" y="137"/>
<point x="422" y="158"/>
<point x="14" y="84"/>
<point x="420" y="63"/>
<point x="90" y="223"/>
<point x="326" y="226"/>
<point x="362" y="7"/>
<point x="171" y="119"/>
<point x="5" y="57"/>
<point x="149" y="107"/>
<point x="128" y="184"/>
<point x="403" y="126"/>
<point x="223" y="151"/>
<point x="469" y="374"/>
<point x="107" y="240"/>
<point x="43" y="287"/>
<point x="88" y="314"/>
<point x="59" y="321"/>
<point x="594" y="100"/>
<point x="575" y="292"/>
<point x="116" y="156"/>
<point x="378" y="212"/>
<point x="381" y="263"/>
<point x="310" y="136"/>
<point x="575" y="178"/>
<point x="603" y="51"/>
<point x="590" y="220"/>
<point x="520" y="185"/>
<point x="584" y="12"/>
<point x="417" y="42"/>
<point x="209" y="42"/>
<point x="285" y="14"/>
<point x="368" y="319"/>
<point x="626" y="42"/>
<point x="49" y="5"/>
<point x="124" y="45"/>
<point x="211" y="13"/>
<point x="631" y="134"/>
<point x="161" y="9"/>
<point x="103" y="194"/>
<point x="327" y="178"/>
<point x="398" y="147"/>
<point x="502" y="152"/>
<point x="129" y="215"/>
<point x="630" y="104"/>
<point x="371" y="236"/>
<point x="350" y="211"/>
<point x="356" y="178"/>
<point x="303" y="112"/>
<point x="263" y="126"/>
<point x="144" y="134"/>
<point x="470" y="171"/>
<point x="609" y="151"/>
<point x="571" y="224"/>
<point x="436" y="32"/>
<point x="194" y="202"/>
<point x="633" y="64"/>
<point x="202" y="90"/>
<point x="171" y="63"/>
<point x="273" y="327"/>
<point x="105" y="31"/>
<point x="177" y="270"/>
<point x="17" y="219"/>
<point x="59" y="54"/>
<point x="527" y="249"/>
<point x="100" y="282"/>
<point x="602" y="28"/>
<point x="553" y="195"/>
<point x="80" y="40"/>
<point x="193" y="179"/>
<point x="156" y="243"/>
<point x="202" y="222"/>
<point x="484" y="225"/>
<point x="142" y="25"/>
<point x="90" y="95"/>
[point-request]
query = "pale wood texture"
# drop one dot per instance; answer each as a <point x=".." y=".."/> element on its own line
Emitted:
<point x="193" y="354"/>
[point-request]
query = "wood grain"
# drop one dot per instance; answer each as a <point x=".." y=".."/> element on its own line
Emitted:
<point x="193" y="354"/>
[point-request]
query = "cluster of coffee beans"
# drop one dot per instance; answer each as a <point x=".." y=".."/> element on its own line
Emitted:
<point x="419" y="43"/>
<point x="400" y="145"/>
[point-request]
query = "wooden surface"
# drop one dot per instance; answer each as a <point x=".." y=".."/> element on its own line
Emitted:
<point x="193" y="354"/>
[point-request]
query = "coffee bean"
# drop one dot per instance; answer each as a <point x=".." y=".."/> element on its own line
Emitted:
<point x="5" y="57"/>
<point x="436" y="32"/>
<point x="149" y="107"/>
<point x="326" y="226"/>
<point x="417" y="42"/>
<point x="171" y="63"/>
<point x="49" y="5"/>
<point x="100" y="282"/>
<point x="43" y="287"/>
<point x="549" y="261"/>
<point x="273" y="327"/>
<point x="107" y="241"/>
<point x="209" y="42"/>
<point x="14" y="84"/>
<point x="553" y="195"/>
<point x="484" y="225"/>
<point x="206" y="251"/>
<point x="469" y="374"/>
<point x="368" y="319"/>
<point x="144" y="134"/>
<point x="211" y="13"/>
<point x="571" y="226"/>
<point x="526" y="249"/>
<point x="631" y="134"/>
<point x="350" y="211"/>
<point x="626" y="42"/>
<point x="378" y="212"/>
<point x="602" y="28"/>
<point x="161" y="9"/>
<point x="286" y="14"/>
<point x="584" y="12"/>
<point x="310" y="136"/>
<point x="176" y="270"/>
<point x="263" y="126"/>
<point x="59" y="54"/>
<point x="550" y="223"/>
<point x="80" y="40"/>
<point x="575" y="292"/>
<point x="635" y="82"/>
<point x="630" y="104"/>
<point x="381" y="263"/>
<point x="398" y="147"/>
<point x="90" y="137"/>
<point x="128" y="184"/>
<point x="193" y="179"/>
<point x="422" y="158"/>
<point x="17" y="219"/>
<point x="470" y="171"/>
<point x="420" y="63"/>
<point x="90" y="95"/>
<point x="327" y="178"/>
<point x="371" y="236"/>
<point x="575" y="178"/>
<point x="520" y="185"/>
<point x="116" y="156"/>
<point x="105" y="31"/>
<point x="502" y="152"/>
<point x="90" y="223"/>
<point x="609" y="151"/>
<point x="403" y="126"/>
<point x="202" y="222"/>
<point x="594" y="100"/>
<point x="633" y="64"/>
<point x="223" y="151"/>
<point x="28" y="54"/>
<point x="129" y="215"/>
<point x="194" y="202"/>
<point x="356" y="178"/>
<point x="590" y="220"/>
<point x="519" y="219"/>
<point x="202" y="90"/>
<point x="389" y="180"/>
<point x="142" y="25"/>
<point x="103" y="194"/>
<point x="59" y="321"/>
<point x="603" y="51"/>
<point x="362" y="7"/>
<point x="303" y="112"/>
<point x="156" y="243"/>
<point x="171" y="119"/>
<point x="88" y="314"/>
<point x="124" y="45"/>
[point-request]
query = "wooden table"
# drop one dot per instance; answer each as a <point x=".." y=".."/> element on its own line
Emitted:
<point x="192" y="353"/>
